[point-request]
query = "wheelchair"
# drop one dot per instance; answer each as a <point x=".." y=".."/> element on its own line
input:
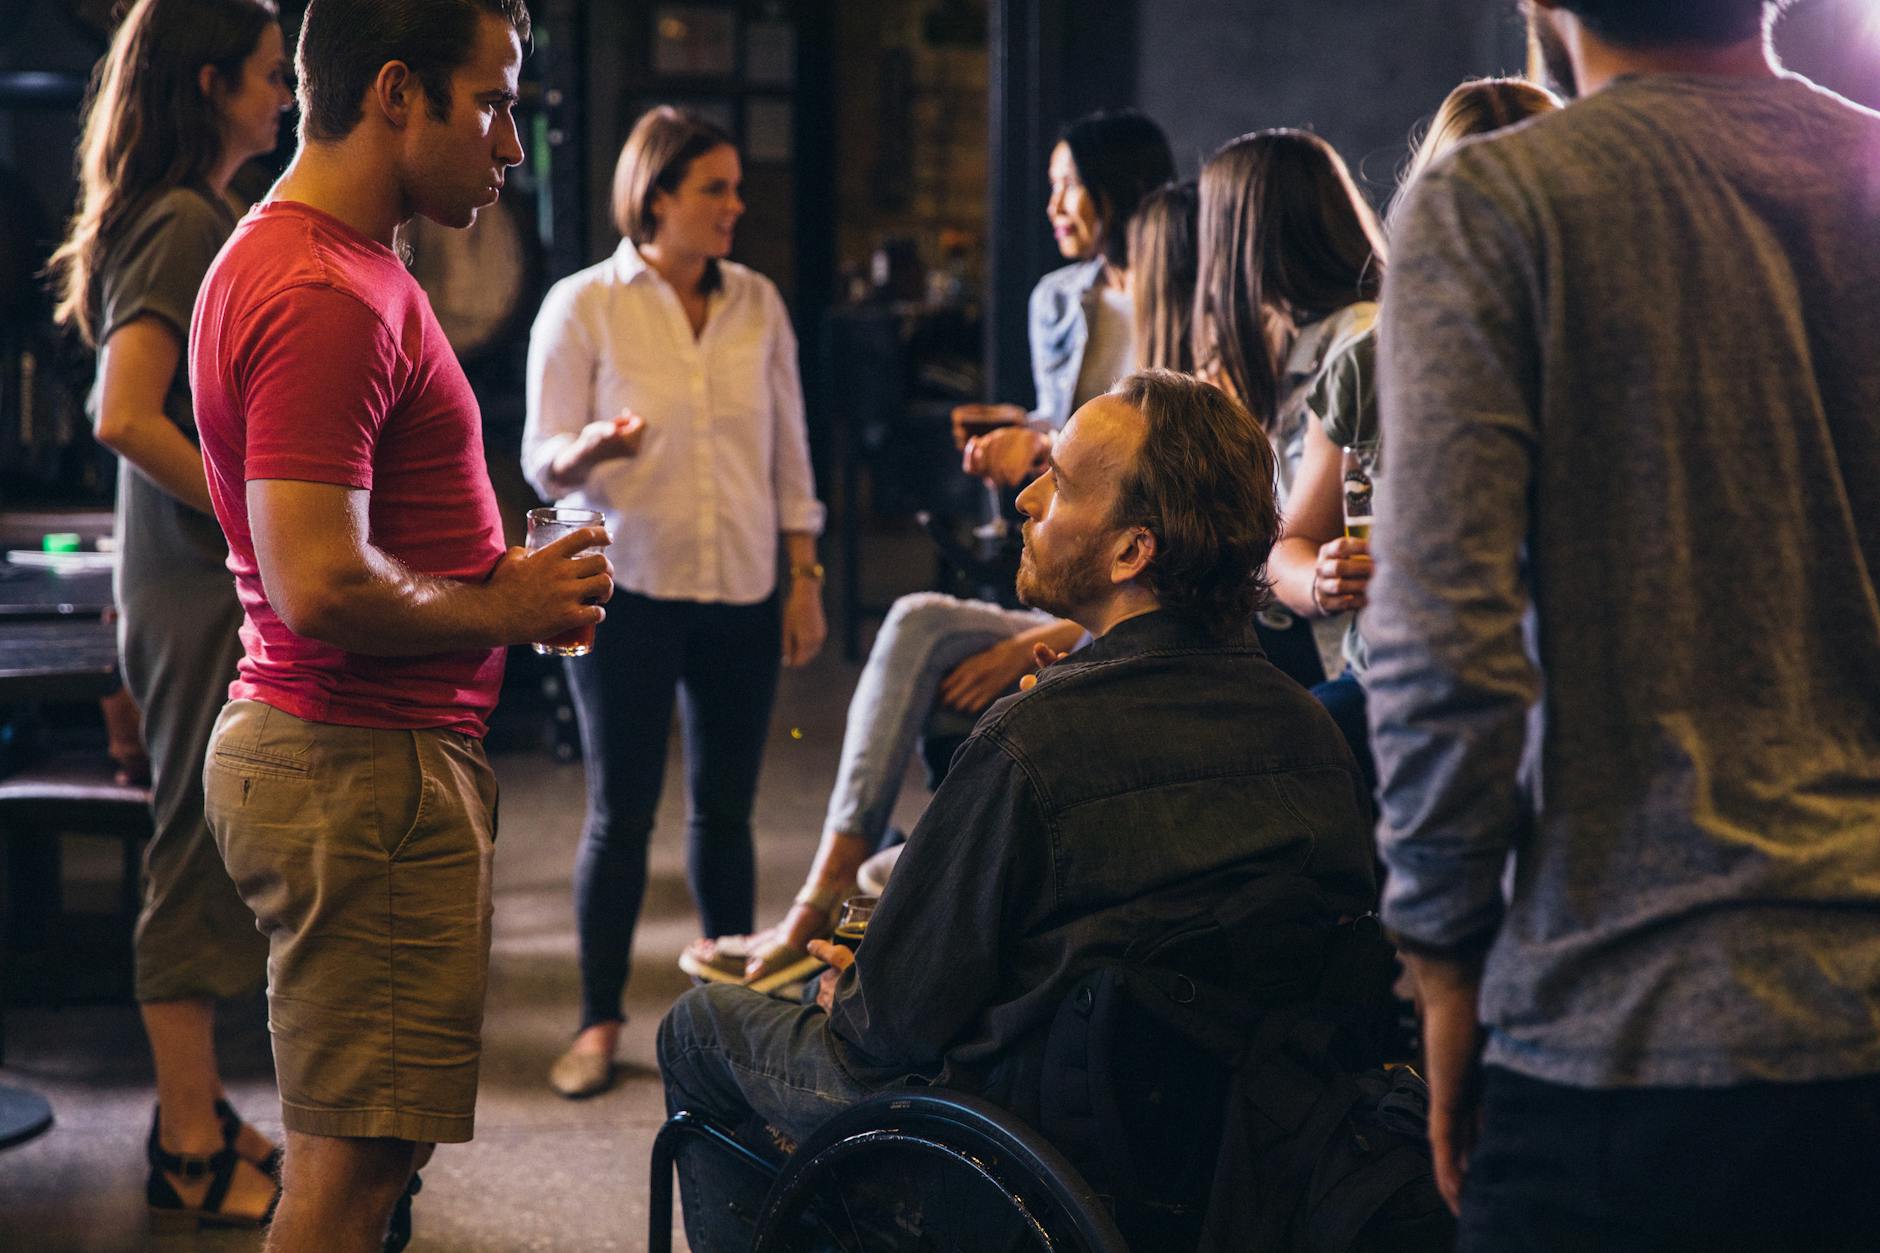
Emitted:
<point x="908" y="1170"/>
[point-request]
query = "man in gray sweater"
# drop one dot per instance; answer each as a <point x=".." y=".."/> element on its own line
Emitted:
<point x="1625" y="646"/>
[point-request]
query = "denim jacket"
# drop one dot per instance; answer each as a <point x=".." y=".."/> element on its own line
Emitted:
<point x="1135" y="787"/>
<point x="1058" y="327"/>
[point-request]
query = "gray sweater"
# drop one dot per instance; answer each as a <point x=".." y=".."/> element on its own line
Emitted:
<point x="1625" y="632"/>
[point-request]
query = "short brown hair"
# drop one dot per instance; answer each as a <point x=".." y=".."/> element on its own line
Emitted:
<point x="344" y="43"/>
<point x="656" y="157"/>
<point x="1202" y="484"/>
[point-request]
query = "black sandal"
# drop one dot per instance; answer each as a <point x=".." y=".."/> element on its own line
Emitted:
<point x="398" y="1233"/>
<point x="168" y="1211"/>
<point x="232" y="1130"/>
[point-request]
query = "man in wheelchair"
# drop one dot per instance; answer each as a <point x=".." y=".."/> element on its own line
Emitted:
<point x="1135" y="787"/>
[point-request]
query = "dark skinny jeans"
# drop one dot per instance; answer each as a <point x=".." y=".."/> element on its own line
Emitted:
<point x="721" y="662"/>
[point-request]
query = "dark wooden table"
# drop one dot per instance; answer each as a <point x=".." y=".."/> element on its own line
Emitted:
<point x="55" y="644"/>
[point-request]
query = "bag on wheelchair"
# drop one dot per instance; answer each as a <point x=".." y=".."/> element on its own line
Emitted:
<point x="1261" y="1121"/>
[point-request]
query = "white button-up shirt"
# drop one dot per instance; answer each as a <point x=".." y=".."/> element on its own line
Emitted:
<point x="723" y="465"/>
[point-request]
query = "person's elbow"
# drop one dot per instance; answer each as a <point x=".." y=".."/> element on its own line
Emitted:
<point x="115" y="427"/>
<point x="312" y="600"/>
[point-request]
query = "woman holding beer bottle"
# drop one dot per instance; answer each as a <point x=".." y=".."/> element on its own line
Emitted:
<point x="1321" y="565"/>
<point x="663" y="392"/>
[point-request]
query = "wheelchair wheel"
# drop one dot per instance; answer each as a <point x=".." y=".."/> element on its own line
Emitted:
<point x="935" y="1173"/>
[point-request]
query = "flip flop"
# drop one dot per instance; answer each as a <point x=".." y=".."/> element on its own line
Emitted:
<point x="782" y="963"/>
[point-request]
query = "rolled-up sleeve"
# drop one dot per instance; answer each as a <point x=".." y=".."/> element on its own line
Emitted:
<point x="798" y="510"/>
<point x="1451" y="682"/>
<point x="560" y="383"/>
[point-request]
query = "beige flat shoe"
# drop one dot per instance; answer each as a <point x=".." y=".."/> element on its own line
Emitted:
<point x="578" y="1074"/>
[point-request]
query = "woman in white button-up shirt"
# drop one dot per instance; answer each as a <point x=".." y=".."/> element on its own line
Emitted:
<point x="663" y="391"/>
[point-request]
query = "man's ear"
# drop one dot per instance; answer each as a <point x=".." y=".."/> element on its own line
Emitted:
<point x="1134" y="556"/>
<point x="397" y="93"/>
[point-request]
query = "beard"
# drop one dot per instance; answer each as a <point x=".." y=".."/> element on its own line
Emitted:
<point x="1066" y="585"/>
<point x="1554" y="58"/>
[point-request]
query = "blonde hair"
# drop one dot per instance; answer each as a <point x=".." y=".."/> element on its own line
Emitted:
<point x="1477" y="107"/>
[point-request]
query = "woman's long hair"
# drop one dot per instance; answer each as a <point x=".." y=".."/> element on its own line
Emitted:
<point x="1162" y="277"/>
<point x="1284" y="239"/>
<point x="148" y="127"/>
<point x="1478" y="106"/>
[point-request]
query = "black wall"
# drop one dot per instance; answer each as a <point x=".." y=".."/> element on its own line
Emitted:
<point x="1363" y="73"/>
<point x="1358" y="72"/>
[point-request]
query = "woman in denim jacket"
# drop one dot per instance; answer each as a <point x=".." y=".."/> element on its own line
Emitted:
<point x="939" y="659"/>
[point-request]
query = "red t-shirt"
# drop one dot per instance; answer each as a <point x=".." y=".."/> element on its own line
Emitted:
<point x="314" y="355"/>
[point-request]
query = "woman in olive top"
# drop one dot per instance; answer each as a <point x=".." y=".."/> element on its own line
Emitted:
<point x="190" y="90"/>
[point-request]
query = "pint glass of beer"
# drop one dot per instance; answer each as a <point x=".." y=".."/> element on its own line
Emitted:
<point x="545" y="527"/>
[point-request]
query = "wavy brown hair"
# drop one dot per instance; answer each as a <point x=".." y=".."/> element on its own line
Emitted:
<point x="1284" y="239"/>
<point x="148" y="128"/>
<point x="1202" y="484"/>
<point x="656" y="157"/>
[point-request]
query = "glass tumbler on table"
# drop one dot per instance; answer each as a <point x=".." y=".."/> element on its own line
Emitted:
<point x="546" y="525"/>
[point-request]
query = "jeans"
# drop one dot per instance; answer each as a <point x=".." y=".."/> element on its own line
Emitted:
<point x="751" y="1063"/>
<point x="1764" y="1167"/>
<point x="722" y="663"/>
<point x="924" y="636"/>
<point x="1343" y="698"/>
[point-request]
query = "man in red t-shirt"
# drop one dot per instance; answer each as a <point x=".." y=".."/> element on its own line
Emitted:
<point x="347" y="786"/>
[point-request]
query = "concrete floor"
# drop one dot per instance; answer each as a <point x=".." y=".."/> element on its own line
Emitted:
<point x="543" y="1172"/>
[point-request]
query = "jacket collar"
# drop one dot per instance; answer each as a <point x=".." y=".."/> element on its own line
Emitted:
<point x="1162" y="630"/>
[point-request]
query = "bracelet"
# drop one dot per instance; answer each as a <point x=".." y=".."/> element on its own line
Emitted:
<point x="1316" y="602"/>
<point x="813" y="571"/>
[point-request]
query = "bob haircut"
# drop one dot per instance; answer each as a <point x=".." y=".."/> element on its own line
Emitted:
<point x="1119" y="157"/>
<point x="656" y="157"/>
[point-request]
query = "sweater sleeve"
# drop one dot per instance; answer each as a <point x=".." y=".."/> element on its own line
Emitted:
<point x="1450" y="682"/>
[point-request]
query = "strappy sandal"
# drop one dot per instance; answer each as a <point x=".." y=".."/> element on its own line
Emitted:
<point x="269" y="1164"/>
<point x="170" y="1213"/>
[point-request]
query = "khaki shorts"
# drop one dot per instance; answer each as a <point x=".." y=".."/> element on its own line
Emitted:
<point x="365" y="856"/>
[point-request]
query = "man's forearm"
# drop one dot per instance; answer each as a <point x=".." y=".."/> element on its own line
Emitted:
<point x="382" y="608"/>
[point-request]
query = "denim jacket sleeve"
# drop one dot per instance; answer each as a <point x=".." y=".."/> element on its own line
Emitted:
<point x="935" y="952"/>
<point x="1057" y="329"/>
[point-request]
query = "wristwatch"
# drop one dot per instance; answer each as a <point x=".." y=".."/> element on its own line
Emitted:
<point x="813" y="571"/>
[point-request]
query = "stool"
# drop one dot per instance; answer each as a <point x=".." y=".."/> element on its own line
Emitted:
<point x="75" y="794"/>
